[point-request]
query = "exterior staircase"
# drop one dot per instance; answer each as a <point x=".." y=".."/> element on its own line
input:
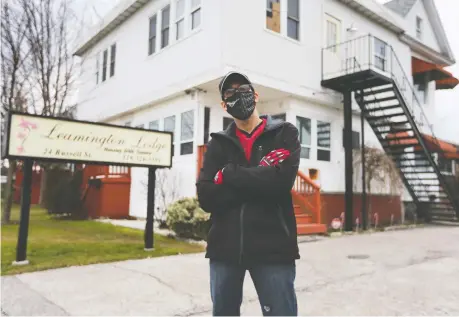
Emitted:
<point x="371" y="70"/>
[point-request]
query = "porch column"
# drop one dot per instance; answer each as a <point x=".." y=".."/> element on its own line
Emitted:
<point x="348" y="168"/>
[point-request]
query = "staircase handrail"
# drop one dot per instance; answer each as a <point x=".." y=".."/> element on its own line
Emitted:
<point x="316" y="205"/>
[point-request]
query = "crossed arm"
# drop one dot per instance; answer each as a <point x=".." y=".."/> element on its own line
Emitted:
<point x="247" y="183"/>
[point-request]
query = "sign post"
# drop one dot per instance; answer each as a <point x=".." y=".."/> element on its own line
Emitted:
<point x="21" y="249"/>
<point x="149" y="234"/>
<point x="38" y="138"/>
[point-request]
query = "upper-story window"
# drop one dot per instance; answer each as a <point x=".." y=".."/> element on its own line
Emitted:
<point x="293" y="19"/>
<point x="165" y="19"/>
<point x="104" y="65"/>
<point x="418" y="28"/>
<point x="107" y="69"/>
<point x="287" y="25"/>
<point x="332" y="28"/>
<point x="380" y="54"/>
<point x="179" y="19"/>
<point x="195" y="14"/>
<point x="112" y="59"/>
<point x="152" y="35"/>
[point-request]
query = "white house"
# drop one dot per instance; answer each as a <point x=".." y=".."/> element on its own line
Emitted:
<point x="156" y="64"/>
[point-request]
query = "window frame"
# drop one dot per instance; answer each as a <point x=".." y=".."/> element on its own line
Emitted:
<point x="331" y="20"/>
<point x="188" y="140"/>
<point x="269" y="14"/>
<point x="380" y="57"/>
<point x="97" y="67"/>
<point x="419" y="27"/>
<point x="323" y="148"/>
<point x="193" y="10"/>
<point x="173" y="130"/>
<point x="295" y="19"/>
<point x="165" y="28"/>
<point x="152" y="37"/>
<point x="180" y="19"/>
<point x="304" y="145"/>
<point x="104" y="64"/>
<point x="112" y="59"/>
<point x="150" y="123"/>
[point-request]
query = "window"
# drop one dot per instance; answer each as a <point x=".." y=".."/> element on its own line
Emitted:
<point x="304" y="127"/>
<point x="421" y="93"/>
<point x="169" y="126"/>
<point x="165" y="17"/>
<point x="112" y="59"/>
<point x="293" y="19"/>
<point x="152" y="35"/>
<point x="127" y="124"/>
<point x="445" y="165"/>
<point x="140" y="126"/>
<point x="418" y="28"/>
<point x="226" y="122"/>
<point x="195" y="14"/>
<point x="187" y="132"/>
<point x="180" y="19"/>
<point x="380" y="54"/>
<point x="273" y="15"/>
<point x="323" y="141"/>
<point x="355" y="139"/>
<point x="331" y="34"/>
<point x="104" y="65"/>
<point x="153" y="125"/>
<point x="97" y="67"/>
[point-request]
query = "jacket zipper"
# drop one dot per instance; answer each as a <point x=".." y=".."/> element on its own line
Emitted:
<point x="241" y="216"/>
<point x="282" y="220"/>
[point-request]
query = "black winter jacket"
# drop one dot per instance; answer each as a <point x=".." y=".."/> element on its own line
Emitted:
<point x="252" y="214"/>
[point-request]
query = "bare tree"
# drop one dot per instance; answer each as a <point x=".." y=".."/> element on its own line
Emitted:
<point x="37" y="63"/>
<point x="380" y="170"/>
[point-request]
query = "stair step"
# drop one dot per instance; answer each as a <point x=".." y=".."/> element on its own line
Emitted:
<point x="394" y="130"/>
<point x="395" y="139"/>
<point x="374" y="92"/>
<point x="390" y="124"/>
<point x="387" y="116"/>
<point x="303" y="219"/>
<point x="378" y="100"/>
<point x="312" y="228"/>
<point x="382" y="109"/>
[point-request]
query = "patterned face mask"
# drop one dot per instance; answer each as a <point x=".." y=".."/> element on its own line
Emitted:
<point x="241" y="105"/>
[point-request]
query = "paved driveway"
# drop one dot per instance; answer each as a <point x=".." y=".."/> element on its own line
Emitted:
<point x="411" y="272"/>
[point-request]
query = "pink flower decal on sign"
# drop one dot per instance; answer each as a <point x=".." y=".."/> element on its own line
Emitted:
<point x="26" y="126"/>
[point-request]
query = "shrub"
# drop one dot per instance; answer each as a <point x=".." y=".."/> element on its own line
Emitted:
<point x="187" y="219"/>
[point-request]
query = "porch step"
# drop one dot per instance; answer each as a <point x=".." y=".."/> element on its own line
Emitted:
<point x="311" y="228"/>
<point x="303" y="219"/>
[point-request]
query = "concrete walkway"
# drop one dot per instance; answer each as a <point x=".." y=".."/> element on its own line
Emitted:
<point x="410" y="272"/>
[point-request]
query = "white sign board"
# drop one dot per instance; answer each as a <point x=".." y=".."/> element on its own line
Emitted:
<point x="47" y="138"/>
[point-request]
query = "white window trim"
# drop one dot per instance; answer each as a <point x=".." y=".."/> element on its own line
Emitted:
<point x="329" y="148"/>
<point x="100" y="64"/>
<point x="307" y="146"/>
<point x="192" y="139"/>
<point x="181" y="18"/>
<point x="330" y="18"/>
<point x="169" y="42"/>
<point x="283" y="22"/>
<point x="193" y="10"/>
<point x="382" y="57"/>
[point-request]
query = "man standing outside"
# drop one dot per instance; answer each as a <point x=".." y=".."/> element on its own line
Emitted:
<point x="245" y="183"/>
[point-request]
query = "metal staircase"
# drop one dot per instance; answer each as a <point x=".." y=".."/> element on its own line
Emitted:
<point x="371" y="69"/>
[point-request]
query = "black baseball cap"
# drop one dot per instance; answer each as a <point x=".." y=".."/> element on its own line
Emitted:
<point x="230" y="78"/>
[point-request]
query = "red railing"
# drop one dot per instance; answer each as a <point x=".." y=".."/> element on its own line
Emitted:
<point x="306" y="193"/>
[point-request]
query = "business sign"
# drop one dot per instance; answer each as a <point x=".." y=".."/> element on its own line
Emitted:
<point x="48" y="138"/>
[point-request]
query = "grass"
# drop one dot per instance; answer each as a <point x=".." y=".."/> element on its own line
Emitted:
<point x="55" y="243"/>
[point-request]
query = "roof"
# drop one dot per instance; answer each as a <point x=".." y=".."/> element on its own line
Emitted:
<point x="401" y="7"/>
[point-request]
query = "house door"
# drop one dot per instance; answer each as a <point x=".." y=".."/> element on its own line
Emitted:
<point x="332" y="50"/>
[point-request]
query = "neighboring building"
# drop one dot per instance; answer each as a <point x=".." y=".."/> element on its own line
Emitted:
<point x="156" y="64"/>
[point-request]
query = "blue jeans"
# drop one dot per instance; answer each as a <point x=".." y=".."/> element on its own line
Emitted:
<point x="274" y="284"/>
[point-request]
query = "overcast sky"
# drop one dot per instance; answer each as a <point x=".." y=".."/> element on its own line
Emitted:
<point x="446" y="125"/>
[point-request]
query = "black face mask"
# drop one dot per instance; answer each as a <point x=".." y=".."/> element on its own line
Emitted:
<point x="241" y="105"/>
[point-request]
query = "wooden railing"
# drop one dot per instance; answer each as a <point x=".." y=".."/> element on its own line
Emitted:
<point x="306" y="193"/>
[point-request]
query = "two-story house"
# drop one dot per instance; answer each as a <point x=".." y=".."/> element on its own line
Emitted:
<point x="156" y="64"/>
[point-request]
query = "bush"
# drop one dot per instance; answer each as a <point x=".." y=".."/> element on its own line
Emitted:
<point x="187" y="219"/>
<point x="63" y="194"/>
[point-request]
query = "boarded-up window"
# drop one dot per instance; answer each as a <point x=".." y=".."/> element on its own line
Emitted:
<point x="273" y="15"/>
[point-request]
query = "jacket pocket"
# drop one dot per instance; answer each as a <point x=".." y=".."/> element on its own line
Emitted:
<point x="282" y="220"/>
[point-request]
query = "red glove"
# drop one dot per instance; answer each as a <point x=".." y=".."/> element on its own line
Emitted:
<point x="275" y="157"/>
<point x="218" y="178"/>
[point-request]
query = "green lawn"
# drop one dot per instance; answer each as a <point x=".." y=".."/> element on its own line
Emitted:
<point x="59" y="243"/>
